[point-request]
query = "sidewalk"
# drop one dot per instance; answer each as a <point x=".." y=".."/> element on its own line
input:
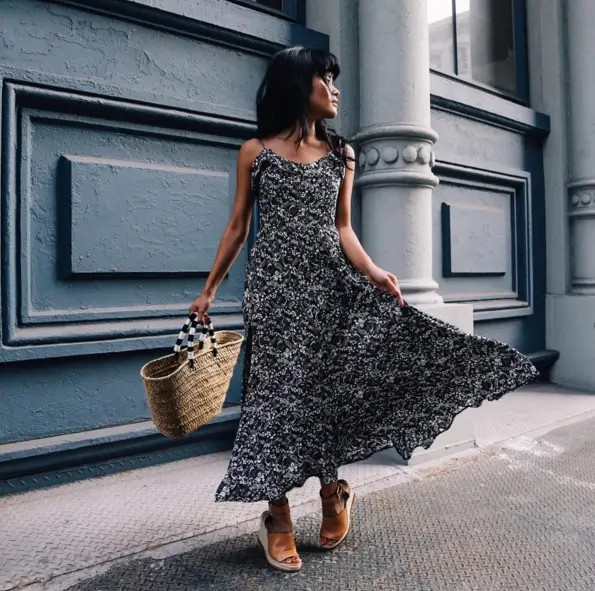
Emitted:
<point x="510" y="519"/>
<point x="443" y="521"/>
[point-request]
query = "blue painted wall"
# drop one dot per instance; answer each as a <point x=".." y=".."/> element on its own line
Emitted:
<point x="489" y="211"/>
<point x="120" y="124"/>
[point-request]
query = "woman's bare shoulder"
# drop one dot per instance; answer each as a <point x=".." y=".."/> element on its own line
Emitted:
<point x="249" y="151"/>
<point x="350" y="156"/>
<point x="349" y="151"/>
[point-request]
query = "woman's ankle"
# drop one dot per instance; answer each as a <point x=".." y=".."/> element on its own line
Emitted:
<point x="328" y="490"/>
<point x="281" y="502"/>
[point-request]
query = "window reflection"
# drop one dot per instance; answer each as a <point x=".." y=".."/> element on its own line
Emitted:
<point x="441" y="27"/>
<point x="485" y="35"/>
<point x="484" y="43"/>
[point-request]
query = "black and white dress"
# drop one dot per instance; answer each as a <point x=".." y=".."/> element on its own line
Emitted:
<point x="334" y="369"/>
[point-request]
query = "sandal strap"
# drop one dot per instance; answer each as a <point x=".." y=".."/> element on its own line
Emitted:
<point x="333" y="528"/>
<point x="343" y="491"/>
<point x="279" y="509"/>
<point x="267" y="520"/>
<point x="330" y="496"/>
<point x="281" y="546"/>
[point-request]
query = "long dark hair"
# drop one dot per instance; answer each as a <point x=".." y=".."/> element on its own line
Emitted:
<point x="283" y="96"/>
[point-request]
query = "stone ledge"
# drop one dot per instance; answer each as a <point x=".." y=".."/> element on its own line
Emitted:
<point x="41" y="463"/>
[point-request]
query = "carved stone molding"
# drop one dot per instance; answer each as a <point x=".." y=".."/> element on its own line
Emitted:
<point x="581" y="198"/>
<point x="390" y="154"/>
<point x="372" y="156"/>
<point x="424" y="154"/>
<point x="397" y="130"/>
<point x="410" y="154"/>
<point x="386" y="158"/>
<point x="581" y="213"/>
<point x="39" y="318"/>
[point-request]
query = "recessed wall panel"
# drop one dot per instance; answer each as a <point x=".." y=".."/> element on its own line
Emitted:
<point x="137" y="218"/>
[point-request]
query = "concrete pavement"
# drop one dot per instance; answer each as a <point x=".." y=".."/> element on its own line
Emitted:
<point x="90" y="533"/>
<point x="519" y="517"/>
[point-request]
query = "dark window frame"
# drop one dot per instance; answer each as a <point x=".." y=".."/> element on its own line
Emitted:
<point x="521" y="56"/>
<point x="293" y="10"/>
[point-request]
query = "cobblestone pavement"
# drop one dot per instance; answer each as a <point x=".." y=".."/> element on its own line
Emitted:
<point x="519" y="516"/>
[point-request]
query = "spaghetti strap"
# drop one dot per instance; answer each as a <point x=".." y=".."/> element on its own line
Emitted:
<point x="261" y="142"/>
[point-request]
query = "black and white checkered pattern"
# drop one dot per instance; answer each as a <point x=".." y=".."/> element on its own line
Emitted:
<point x="209" y="328"/>
<point x="191" y="332"/>
<point x="189" y="328"/>
<point x="183" y="333"/>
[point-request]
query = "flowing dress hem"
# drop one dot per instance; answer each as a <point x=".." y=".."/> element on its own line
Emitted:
<point x="423" y="440"/>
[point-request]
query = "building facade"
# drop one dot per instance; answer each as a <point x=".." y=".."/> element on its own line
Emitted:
<point x="120" y="124"/>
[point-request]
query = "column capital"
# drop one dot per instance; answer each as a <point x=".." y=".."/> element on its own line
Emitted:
<point x="581" y="196"/>
<point x="396" y="131"/>
<point x="398" y="154"/>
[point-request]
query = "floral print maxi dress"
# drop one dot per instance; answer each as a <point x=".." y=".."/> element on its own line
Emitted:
<point x="334" y="369"/>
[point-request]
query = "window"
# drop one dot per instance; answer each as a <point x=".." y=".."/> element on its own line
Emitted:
<point x="483" y="40"/>
<point x="292" y="9"/>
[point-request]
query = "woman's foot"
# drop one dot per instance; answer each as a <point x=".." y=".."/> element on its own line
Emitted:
<point x="277" y="539"/>
<point x="336" y="514"/>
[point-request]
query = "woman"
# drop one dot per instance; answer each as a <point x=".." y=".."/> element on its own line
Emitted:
<point x="337" y="365"/>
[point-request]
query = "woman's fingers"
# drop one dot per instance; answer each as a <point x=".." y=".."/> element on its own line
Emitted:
<point x="198" y="314"/>
<point x="397" y="289"/>
<point x="395" y="283"/>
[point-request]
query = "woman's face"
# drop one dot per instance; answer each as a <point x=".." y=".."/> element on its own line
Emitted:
<point x="324" y="99"/>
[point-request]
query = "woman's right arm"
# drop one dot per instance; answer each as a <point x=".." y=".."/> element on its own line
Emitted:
<point x="236" y="232"/>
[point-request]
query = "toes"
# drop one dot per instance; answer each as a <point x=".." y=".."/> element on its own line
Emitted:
<point x="291" y="560"/>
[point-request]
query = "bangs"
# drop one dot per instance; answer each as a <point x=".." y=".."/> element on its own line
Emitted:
<point x="325" y="62"/>
<point x="283" y="97"/>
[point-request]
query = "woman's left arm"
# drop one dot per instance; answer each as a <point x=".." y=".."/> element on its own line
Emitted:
<point x="350" y="243"/>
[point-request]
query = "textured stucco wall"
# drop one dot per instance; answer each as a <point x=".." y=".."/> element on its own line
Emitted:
<point x="112" y="126"/>
<point x="50" y="45"/>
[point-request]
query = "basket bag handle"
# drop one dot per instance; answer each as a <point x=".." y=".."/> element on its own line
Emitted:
<point x="189" y="329"/>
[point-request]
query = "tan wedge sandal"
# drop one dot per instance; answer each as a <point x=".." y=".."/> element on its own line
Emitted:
<point x="279" y="548"/>
<point x="336" y="524"/>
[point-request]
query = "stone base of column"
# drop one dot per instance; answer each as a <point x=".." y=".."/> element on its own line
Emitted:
<point x="461" y="435"/>
<point x="459" y="315"/>
<point x="571" y="330"/>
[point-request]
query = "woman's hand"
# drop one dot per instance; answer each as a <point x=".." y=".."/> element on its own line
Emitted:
<point x="386" y="282"/>
<point x="200" y="306"/>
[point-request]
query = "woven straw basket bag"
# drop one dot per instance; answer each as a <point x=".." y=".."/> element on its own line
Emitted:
<point x="187" y="388"/>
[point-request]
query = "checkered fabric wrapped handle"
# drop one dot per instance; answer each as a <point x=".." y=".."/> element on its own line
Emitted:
<point x="189" y="329"/>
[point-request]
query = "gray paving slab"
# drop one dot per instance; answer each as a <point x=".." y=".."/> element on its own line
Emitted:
<point x="527" y="409"/>
<point x="47" y="534"/>
<point x="519" y="516"/>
